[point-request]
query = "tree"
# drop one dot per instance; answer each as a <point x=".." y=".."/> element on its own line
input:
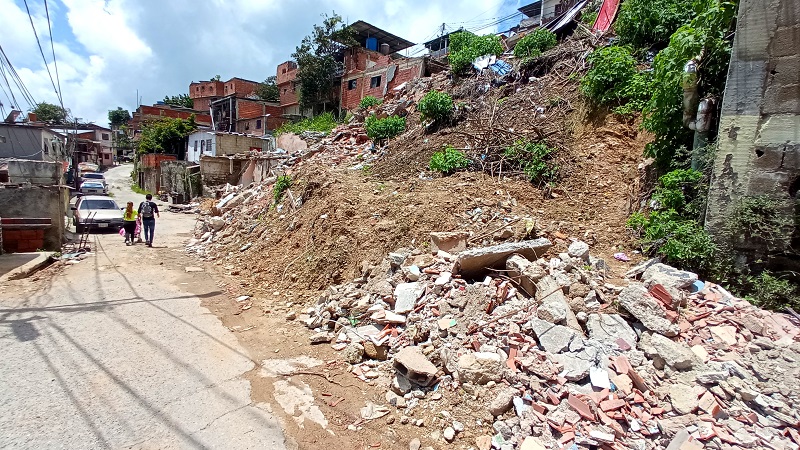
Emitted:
<point x="166" y="135"/>
<point x="216" y="78"/>
<point x="268" y="90"/>
<point x="118" y="117"/>
<point x="316" y="60"/>
<point x="48" y="112"/>
<point x="179" y="100"/>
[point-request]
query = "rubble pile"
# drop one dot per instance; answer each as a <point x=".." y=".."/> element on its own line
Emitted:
<point x="533" y="353"/>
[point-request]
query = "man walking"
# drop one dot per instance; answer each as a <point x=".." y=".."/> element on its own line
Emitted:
<point x="148" y="211"/>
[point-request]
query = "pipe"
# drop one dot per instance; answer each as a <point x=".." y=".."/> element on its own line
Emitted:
<point x="690" y="94"/>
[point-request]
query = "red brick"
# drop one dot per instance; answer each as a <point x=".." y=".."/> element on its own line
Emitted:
<point x="610" y="405"/>
<point x="581" y="407"/>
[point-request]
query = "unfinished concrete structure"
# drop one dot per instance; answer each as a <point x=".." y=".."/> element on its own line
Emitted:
<point x="759" y="134"/>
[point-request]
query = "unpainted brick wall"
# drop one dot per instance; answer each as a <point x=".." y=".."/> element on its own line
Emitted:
<point x="405" y="72"/>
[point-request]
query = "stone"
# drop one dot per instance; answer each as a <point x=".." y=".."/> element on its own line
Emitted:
<point x="373" y="351"/>
<point x="724" y="333"/>
<point x="607" y="328"/>
<point x="291" y="315"/>
<point x="216" y="223"/>
<point x="401" y="385"/>
<point x="458" y="426"/>
<point x="396" y="259"/>
<point x="483" y="442"/>
<point x="683" y="399"/>
<point x="532" y="443"/>
<point x="502" y="401"/>
<point x="552" y="311"/>
<point x="579" y="249"/>
<point x="479" y="367"/>
<point x="415" y="444"/>
<point x="415" y="366"/>
<point x="644" y="307"/>
<point x="674" y="354"/>
<point x="354" y="353"/>
<point x="406" y="296"/>
<point x="503" y="430"/>
<point x="449" y="434"/>
<point x="524" y="273"/>
<point x="668" y="276"/>
<point x="549" y="290"/>
<point x="553" y="338"/>
<point x="474" y="261"/>
<point x="575" y="368"/>
<point x="579" y="290"/>
<point x="194" y="269"/>
<point x="412" y="273"/>
<point x="450" y="242"/>
<point x="712" y="377"/>
<point x="322" y="337"/>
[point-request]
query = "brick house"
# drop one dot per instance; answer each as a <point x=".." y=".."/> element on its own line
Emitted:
<point x="204" y="93"/>
<point x="287" y="89"/>
<point x="146" y="113"/>
<point x="249" y="115"/>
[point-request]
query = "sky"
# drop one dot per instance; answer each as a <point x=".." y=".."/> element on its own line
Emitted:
<point x="107" y="50"/>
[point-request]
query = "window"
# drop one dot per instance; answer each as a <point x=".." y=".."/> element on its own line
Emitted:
<point x="258" y="124"/>
<point x="208" y="145"/>
<point x="375" y="82"/>
<point x="352" y="84"/>
<point x="202" y="146"/>
<point x="105" y="136"/>
<point x="195" y="145"/>
<point x="197" y="89"/>
<point x="284" y="70"/>
<point x="246" y="125"/>
<point x="45" y="148"/>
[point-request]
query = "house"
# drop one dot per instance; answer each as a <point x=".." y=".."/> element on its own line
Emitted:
<point x="31" y="141"/>
<point x="287" y="89"/>
<point x="101" y="136"/>
<point x="203" y="93"/>
<point x="440" y="46"/>
<point x="149" y="170"/>
<point x="542" y="12"/>
<point x="250" y="115"/>
<point x="218" y="143"/>
<point x="160" y="110"/>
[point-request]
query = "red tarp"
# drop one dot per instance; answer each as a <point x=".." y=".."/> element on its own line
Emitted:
<point x="606" y="15"/>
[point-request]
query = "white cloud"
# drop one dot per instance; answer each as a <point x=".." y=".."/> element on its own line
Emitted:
<point x="160" y="46"/>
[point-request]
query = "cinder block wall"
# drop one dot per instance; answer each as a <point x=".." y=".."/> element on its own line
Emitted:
<point x="759" y="136"/>
<point x="33" y="202"/>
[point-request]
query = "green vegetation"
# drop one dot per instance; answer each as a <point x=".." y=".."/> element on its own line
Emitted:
<point x="50" y="113"/>
<point x="436" y="106"/>
<point x="535" y="43"/>
<point x="324" y="123"/>
<point x="268" y="90"/>
<point x="368" y="101"/>
<point x="588" y="18"/>
<point x="448" y="161"/>
<point x="182" y="100"/>
<point x="535" y="159"/>
<point x="465" y="47"/>
<point x="135" y="188"/>
<point x="769" y="291"/>
<point x="384" y="128"/>
<point x="283" y="183"/>
<point x="118" y="117"/>
<point x="166" y="135"/>
<point x="671" y="229"/>
<point x="612" y="69"/>
<point x="759" y="219"/>
<point x="648" y="23"/>
<point x="316" y="57"/>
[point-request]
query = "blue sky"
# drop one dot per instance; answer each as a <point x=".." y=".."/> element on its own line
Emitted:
<point x="107" y="49"/>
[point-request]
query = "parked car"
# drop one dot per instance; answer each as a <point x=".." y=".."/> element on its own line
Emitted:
<point x="93" y="187"/>
<point x="96" y="211"/>
<point x="95" y="176"/>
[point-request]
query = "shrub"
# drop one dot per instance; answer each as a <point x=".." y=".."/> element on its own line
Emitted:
<point x="449" y="160"/>
<point x="368" y="101"/>
<point x="535" y="159"/>
<point x="436" y="105"/>
<point x="588" y="18"/>
<point x="465" y="47"/>
<point x="612" y="69"/>
<point x="647" y="23"/>
<point x="759" y="219"/>
<point x="324" y="123"/>
<point x="384" y="128"/>
<point x="771" y="292"/>
<point x="283" y="183"/>
<point x="534" y="43"/>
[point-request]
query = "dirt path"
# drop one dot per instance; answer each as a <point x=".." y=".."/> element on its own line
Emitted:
<point x="117" y="351"/>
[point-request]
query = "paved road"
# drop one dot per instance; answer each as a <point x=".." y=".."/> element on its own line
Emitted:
<point x="117" y="352"/>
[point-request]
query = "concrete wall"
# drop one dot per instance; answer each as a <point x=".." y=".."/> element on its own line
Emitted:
<point x="218" y="170"/>
<point x="759" y="135"/>
<point x="232" y="144"/>
<point x="182" y="177"/>
<point x="37" y="202"/>
<point x="44" y="173"/>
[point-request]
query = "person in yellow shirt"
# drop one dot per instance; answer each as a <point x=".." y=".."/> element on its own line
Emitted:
<point x="129" y="223"/>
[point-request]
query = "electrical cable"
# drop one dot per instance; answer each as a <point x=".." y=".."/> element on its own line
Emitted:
<point x="15" y="104"/>
<point x="17" y="80"/>
<point x="41" y="51"/>
<point x="52" y="47"/>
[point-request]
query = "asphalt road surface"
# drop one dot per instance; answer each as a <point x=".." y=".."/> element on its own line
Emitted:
<point x="117" y="352"/>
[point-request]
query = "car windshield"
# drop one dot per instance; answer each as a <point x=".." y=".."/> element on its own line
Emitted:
<point x="96" y="176"/>
<point x="99" y="204"/>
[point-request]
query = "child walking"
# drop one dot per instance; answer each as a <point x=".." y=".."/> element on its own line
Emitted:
<point x="129" y="223"/>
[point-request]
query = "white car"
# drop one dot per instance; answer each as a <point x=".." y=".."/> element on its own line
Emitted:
<point x="96" y="211"/>
<point x="93" y="187"/>
<point x="95" y="176"/>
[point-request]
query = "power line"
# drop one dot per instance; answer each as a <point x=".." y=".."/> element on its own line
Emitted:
<point x="52" y="47"/>
<point x="36" y="35"/>
<point x="10" y="93"/>
<point x="26" y="94"/>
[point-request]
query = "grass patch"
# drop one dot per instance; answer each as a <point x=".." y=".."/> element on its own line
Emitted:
<point x="135" y="188"/>
<point x="323" y="123"/>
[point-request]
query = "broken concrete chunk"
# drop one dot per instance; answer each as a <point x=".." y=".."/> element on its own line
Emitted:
<point x="475" y="261"/>
<point x="322" y="337"/>
<point x="549" y="290"/>
<point x="354" y="353"/>
<point x="641" y="267"/>
<point x="683" y="398"/>
<point x="607" y="328"/>
<point x="412" y="364"/>
<point x="579" y="249"/>
<point x="637" y="301"/>
<point x="553" y="311"/>
<point x="450" y="242"/>
<point x="664" y="350"/>
<point x="406" y="296"/>
<point x="502" y="401"/>
<point x="575" y="368"/>
<point x="532" y="443"/>
<point x="553" y="338"/>
<point x="479" y="367"/>
<point x="524" y="273"/>
<point x="668" y="276"/>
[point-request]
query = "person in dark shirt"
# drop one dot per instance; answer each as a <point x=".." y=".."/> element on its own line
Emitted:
<point x="148" y="211"/>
